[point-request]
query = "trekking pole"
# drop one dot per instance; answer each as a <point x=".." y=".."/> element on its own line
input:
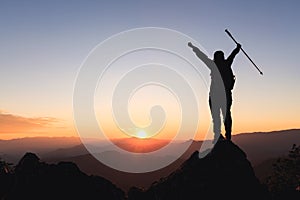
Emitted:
<point x="243" y="51"/>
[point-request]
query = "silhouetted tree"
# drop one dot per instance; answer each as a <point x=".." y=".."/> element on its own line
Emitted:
<point x="6" y="177"/>
<point x="5" y="167"/>
<point x="284" y="181"/>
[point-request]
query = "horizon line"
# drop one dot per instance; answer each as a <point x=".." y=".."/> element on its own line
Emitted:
<point x="78" y="137"/>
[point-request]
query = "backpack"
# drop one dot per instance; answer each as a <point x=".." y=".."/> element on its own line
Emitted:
<point x="228" y="78"/>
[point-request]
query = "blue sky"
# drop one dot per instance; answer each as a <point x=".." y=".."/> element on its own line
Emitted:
<point x="43" y="44"/>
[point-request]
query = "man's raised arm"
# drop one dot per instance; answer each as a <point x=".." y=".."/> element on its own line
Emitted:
<point x="201" y="55"/>
<point x="233" y="53"/>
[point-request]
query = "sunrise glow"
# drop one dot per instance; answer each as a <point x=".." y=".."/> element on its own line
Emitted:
<point x="142" y="134"/>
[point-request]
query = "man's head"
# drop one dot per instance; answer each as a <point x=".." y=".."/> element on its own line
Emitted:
<point x="219" y="56"/>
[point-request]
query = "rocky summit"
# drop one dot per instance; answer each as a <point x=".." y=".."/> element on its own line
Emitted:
<point x="223" y="173"/>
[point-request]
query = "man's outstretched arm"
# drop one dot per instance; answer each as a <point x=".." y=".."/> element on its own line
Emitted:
<point x="234" y="53"/>
<point x="201" y="55"/>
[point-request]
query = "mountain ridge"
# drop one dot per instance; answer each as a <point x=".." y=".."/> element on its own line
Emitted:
<point x="226" y="165"/>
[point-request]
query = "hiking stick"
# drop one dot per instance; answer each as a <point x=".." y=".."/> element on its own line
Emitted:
<point x="243" y="51"/>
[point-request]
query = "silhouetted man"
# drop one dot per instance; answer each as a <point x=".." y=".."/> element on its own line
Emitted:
<point x="220" y="95"/>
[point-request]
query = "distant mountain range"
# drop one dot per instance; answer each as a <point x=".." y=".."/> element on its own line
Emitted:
<point x="13" y="150"/>
<point x="260" y="147"/>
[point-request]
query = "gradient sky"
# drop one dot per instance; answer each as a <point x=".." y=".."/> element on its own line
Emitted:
<point x="43" y="43"/>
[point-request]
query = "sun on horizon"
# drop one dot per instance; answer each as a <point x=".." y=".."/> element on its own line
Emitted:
<point x="142" y="134"/>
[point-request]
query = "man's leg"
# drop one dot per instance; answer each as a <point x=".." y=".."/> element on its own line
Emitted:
<point x="216" y="117"/>
<point x="227" y="117"/>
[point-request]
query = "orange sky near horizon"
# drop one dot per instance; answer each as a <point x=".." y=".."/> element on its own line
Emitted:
<point x="16" y="126"/>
